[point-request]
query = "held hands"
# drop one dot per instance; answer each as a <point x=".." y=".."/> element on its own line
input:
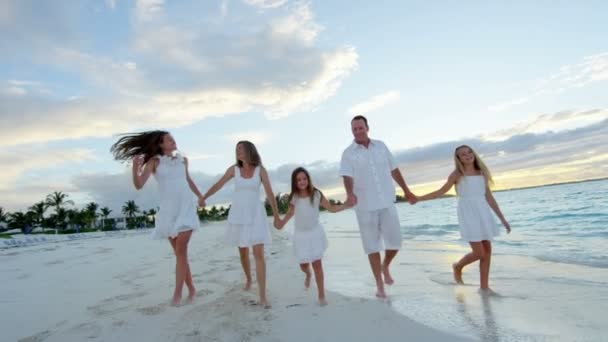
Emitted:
<point x="201" y="202"/>
<point x="411" y="198"/>
<point x="351" y="200"/>
<point x="277" y="223"/>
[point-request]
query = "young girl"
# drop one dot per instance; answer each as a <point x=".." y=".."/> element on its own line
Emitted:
<point x="309" y="241"/>
<point x="472" y="179"/>
<point x="154" y="152"/>
<point x="247" y="223"/>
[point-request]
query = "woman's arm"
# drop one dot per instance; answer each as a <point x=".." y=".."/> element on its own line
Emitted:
<point x="452" y="179"/>
<point x="141" y="176"/>
<point x="494" y="205"/>
<point x="219" y="184"/>
<point x="269" y="193"/>
<point x="193" y="187"/>
<point x="280" y="223"/>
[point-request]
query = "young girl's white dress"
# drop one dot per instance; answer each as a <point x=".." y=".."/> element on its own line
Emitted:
<point x="177" y="211"/>
<point x="247" y="221"/>
<point x="474" y="214"/>
<point x="309" y="240"/>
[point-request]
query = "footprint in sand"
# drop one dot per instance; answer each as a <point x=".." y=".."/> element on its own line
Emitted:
<point x="41" y="336"/>
<point x="203" y="292"/>
<point x="23" y="276"/>
<point x="54" y="262"/>
<point x="89" y="329"/>
<point x="115" y="304"/>
<point x="152" y="310"/>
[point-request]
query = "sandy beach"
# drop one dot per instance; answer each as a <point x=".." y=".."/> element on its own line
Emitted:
<point x="117" y="288"/>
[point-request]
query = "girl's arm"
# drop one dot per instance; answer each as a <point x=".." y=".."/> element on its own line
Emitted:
<point x="217" y="186"/>
<point x="332" y="208"/>
<point x="280" y="223"/>
<point x="269" y="194"/>
<point x="452" y="179"/>
<point x="492" y="203"/>
<point x="201" y="200"/>
<point x="140" y="178"/>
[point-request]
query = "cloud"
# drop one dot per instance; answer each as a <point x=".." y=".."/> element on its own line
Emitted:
<point x="375" y="103"/>
<point x="17" y="161"/>
<point x="264" y="4"/>
<point x="522" y="159"/>
<point x="590" y="70"/>
<point x="256" y="137"/>
<point x="172" y="74"/>
<point x="111" y="3"/>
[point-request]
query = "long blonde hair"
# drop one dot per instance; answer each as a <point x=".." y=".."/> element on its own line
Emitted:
<point x="478" y="164"/>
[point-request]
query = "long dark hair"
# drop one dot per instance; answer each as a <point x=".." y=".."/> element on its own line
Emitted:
<point x="251" y="153"/>
<point x="133" y="144"/>
<point x="294" y="185"/>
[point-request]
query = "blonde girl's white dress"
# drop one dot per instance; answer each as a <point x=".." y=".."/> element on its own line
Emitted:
<point x="247" y="222"/>
<point x="309" y="240"/>
<point x="475" y="216"/>
<point x="177" y="211"/>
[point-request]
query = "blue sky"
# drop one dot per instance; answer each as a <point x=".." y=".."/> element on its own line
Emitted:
<point x="523" y="82"/>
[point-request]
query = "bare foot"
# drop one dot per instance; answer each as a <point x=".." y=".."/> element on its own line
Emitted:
<point x="488" y="292"/>
<point x="307" y="280"/>
<point x="265" y="304"/>
<point x="457" y="274"/>
<point x="247" y="286"/>
<point x="322" y="302"/>
<point x="191" y="296"/>
<point x="176" y="301"/>
<point x="388" y="280"/>
<point x="381" y="294"/>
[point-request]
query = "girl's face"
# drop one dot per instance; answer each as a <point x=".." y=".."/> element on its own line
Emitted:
<point x="168" y="144"/>
<point x="302" y="181"/>
<point x="465" y="155"/>
<point x="240" y="152"/>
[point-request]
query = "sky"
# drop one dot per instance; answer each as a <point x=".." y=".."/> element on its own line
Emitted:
<point x="524" y="83"/>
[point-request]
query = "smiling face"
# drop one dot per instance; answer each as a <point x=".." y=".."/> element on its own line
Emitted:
<point x="168" y="144"/>
<point x="302" y="181"/>
<point x="465" y="155"/>
<point x="360" y="130"/>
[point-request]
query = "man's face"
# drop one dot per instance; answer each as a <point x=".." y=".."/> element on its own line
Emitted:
<point x="359" y="130"/>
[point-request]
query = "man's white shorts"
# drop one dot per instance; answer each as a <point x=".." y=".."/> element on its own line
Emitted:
<point x="379" y="229"/>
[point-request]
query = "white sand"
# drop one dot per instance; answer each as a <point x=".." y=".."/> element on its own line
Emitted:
<point x="118" y="289"/>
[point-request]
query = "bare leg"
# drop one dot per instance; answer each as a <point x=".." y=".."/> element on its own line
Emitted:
<point x="476" y="254"/>
<point x="260" y="273"/>
<point x="317" y="267"/>
<point x="181" y="265"/>
<point x="188" y="281"/>
<point x="388" y="257"/>
<point x="376" y="265"/>
<point x="484" y="265"/>
<point x="244" y="254"/>
<point x="306" y="269"/>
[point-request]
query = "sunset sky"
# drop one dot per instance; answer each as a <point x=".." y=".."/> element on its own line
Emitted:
<point x="524" y="83"/>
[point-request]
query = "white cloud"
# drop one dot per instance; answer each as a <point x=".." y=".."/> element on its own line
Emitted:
<point x="265" y="3"/>
<point x="300" y="25"/>
<point x="375" y="103"/>
<point x="560" y="121"/>
<point x="17" y="161"/>
<point x="256" y="137"/>
<point x="111" y="3"/>
<point x="148" y="9"/>
<point x="590" y="70"/>
<point x="14" y="90"/>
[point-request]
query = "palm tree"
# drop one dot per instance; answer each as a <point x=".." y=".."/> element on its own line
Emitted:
<point x="38" y="211"/>
<point x="91" y="210"/>
<point x="130" y="209"/>
<point x="58" y="199"/>
<point x="152" y="212"/>
<point x="3" y="215"/>
<point x="19" y="220"/>
<point x="105" y="212"/>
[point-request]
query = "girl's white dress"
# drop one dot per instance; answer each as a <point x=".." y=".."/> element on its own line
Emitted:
<point x="309" y="240"/>
<point x="177" y="212"/>
<point x="247" y="221"/>
<point x="474" y="214"/>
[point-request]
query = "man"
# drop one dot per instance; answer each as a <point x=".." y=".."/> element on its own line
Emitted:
<point x="367" y="167"/>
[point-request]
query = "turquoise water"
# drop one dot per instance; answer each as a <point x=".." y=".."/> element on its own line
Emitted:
<point x="550" y="273"/>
